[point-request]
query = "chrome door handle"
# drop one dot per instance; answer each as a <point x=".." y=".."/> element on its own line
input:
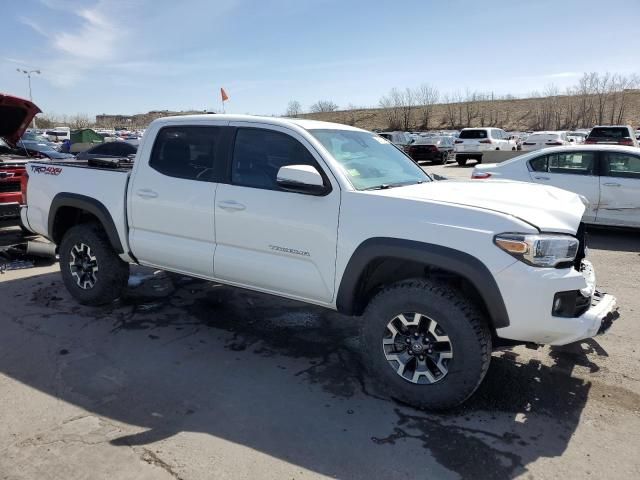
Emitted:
<point x="146" y="193"/>
<point x="611" y="184"/>
<point x="231" y="205"/>
<point x="542" y="178"/>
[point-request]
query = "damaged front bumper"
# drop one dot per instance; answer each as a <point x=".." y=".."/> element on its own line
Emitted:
<point x="529" y="295"/>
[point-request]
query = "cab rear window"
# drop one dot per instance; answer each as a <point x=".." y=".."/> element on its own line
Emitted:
<point x="471" y="134"/>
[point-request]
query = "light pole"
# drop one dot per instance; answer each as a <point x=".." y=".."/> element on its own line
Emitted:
<point x="28" y="74"/>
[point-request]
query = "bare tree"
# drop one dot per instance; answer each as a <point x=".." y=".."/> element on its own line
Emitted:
<point x="407" y="102"/>
<point x="392" y="109"/>
<point x="294" y="108"/>
<point x="426" y="97"/>
<point x="79" y="120"/>
<point x="450" y="111"/>
<point x="322" y="106"/>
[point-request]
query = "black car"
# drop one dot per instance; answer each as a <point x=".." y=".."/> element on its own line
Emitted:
<point x="435" y="149"/>
<point x="108" y="149"/>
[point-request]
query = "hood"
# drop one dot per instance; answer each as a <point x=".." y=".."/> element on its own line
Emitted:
<point x="15" y="116"/>
<point x="547" y="208"/>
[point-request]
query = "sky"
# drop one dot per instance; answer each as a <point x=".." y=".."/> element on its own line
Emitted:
<point x="133" y="56"/>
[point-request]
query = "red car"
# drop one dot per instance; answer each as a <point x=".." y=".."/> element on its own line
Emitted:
<point x="15" y="116"/>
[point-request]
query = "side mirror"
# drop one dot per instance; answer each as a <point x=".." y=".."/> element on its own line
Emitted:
<point x="301" y="179"/>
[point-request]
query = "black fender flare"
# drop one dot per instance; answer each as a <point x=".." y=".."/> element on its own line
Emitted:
<point x="445" y="258"/>
<point x="91" y="205"/>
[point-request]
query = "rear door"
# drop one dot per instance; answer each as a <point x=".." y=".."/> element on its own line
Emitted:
<point x="267" y="238"/>
<point x="171" y="215"/>
<point x="620" y="189"/>
<point x="575" y="171"/>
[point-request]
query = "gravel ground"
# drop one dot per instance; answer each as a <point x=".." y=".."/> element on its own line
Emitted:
<point x="202" y="381"/>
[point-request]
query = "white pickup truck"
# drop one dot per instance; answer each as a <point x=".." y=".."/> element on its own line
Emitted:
<point x="440" y="271"/>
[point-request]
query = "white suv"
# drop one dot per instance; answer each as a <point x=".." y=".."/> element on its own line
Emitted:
<point x="473" y="141"/>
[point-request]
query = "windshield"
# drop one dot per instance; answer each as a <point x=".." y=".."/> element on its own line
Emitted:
<point x="369" y="160"/>
<point x="40" y="147"/>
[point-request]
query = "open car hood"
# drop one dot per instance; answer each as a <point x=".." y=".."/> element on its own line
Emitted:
<point x="15" y="116"/>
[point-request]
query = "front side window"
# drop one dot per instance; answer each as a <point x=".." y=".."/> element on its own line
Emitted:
<point x="575" y="163"/>
<point x="258" y="154"/>
<point x="622" y="165"/>
<point x="185" y="152"/>
<point x="369" y="161"/>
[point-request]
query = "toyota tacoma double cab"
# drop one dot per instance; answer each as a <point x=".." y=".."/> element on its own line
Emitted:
<point x="439" y="272"/>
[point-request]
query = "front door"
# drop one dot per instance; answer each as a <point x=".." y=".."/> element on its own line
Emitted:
<point x="620" y="190"/>
<point x="574" y="171"/>
<point x="171" y="215"/>
<point x="268" y="238"/>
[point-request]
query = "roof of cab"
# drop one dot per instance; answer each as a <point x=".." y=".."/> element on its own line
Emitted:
<point x="282" y="121"/>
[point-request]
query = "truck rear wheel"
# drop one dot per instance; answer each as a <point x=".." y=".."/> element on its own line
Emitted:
<point x="425" y="344"/>
<point x="91" y="270"/>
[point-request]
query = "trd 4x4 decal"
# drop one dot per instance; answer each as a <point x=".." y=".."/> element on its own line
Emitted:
<point x="46" y="170"/>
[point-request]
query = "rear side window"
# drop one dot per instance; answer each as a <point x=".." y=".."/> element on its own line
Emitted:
<point x="473" y="134"/>
<point x="539" y="164"/>
<point x="258" y="154"/>
<point x="622" y="165"/>
<point x="100" y="149"/>
<point x="575" y="163"/>
<point x="609" y="132"/>
<point x="185" y="152"/>
<point x="123" y="148"/>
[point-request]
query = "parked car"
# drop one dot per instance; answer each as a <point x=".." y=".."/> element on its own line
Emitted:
<point x="35" y="149"/>
<point x="473" y="141"/>
<point x="608" y="176"/>
<point x="59" y="134"/>
<point x="400" y="139"/>
<point x="15" y="114"/>
<point x="577" y="137"/>
<point x="108" y="150"/>
<point x="433" y="149"/>
<point x="538" y="140"/>
<point x="333" y="216"/>
<point x="613" y="135"/>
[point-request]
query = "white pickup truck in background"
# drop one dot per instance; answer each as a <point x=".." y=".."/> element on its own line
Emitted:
<point x="334" y="216"/>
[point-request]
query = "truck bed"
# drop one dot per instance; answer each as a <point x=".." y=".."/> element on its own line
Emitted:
<point x="104" y="187"/>
<point x="124" y="165"/>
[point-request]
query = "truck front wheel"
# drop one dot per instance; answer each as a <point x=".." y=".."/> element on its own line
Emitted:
<point x="425" y="344"/>
<point x="91" y="270"/>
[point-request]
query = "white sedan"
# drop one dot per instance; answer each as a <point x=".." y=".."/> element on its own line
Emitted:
<point x="538" y="140"/>
<point x="608" y="176"/>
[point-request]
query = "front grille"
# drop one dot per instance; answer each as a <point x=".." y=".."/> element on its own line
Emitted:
<point x="7" y="187"/>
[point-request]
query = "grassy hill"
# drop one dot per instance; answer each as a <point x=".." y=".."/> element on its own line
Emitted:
<point x="553" y="113"/>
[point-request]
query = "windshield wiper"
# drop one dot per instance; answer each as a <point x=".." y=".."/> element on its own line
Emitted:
<point x="385" y="186"/>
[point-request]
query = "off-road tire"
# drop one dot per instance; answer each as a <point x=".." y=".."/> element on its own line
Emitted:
<point x="464" y="324"/>
<point x="112" y="273"/>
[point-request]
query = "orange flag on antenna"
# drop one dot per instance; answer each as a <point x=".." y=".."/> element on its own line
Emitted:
<point x="224" y="95"/>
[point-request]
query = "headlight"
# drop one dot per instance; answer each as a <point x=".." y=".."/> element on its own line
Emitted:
<point x="539" y="250"/>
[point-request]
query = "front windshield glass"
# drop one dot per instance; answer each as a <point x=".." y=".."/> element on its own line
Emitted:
<point x="369" y="160"/>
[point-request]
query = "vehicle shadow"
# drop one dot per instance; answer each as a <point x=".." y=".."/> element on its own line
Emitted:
<point x="613" y="239"/>
<point x="279" y="377"/>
